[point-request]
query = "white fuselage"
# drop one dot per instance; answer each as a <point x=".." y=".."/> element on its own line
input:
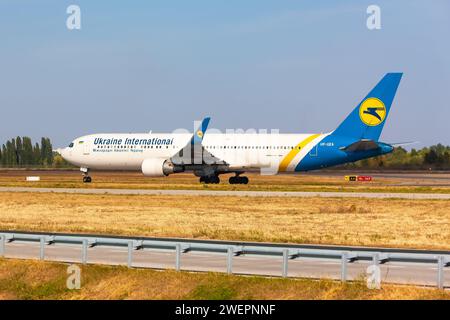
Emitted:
<point x="240" y="151"/>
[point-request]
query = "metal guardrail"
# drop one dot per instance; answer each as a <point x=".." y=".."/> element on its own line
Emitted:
<point x="288" y="252"/>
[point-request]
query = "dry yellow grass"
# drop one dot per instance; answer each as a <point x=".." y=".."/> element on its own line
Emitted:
<point x="21" y="279"/>
<point x="371" y="222"/>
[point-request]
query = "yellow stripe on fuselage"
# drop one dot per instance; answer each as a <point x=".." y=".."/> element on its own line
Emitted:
<point x="291" y="155"/>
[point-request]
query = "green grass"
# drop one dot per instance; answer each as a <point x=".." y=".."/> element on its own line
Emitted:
<point x="222" y="290"/>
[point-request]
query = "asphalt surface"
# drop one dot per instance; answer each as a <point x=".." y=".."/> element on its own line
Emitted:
<point x="381" y="195"/>
<point x="402" y="273"/>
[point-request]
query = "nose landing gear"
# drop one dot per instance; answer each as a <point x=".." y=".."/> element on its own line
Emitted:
<point x="86" y="177"/>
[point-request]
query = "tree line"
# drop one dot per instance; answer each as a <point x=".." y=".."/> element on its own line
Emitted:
<point x="21" y="152"/>
<point x="436" y="157"/>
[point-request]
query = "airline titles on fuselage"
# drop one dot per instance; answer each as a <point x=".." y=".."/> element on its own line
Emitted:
<point x="119" y="143"/>
<point x="132" y="141"/>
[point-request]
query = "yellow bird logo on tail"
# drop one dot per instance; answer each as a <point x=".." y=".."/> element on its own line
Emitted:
<point x="372" y="111"/>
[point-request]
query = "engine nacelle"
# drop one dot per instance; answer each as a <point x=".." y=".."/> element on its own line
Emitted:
<point x="159" y="167"/>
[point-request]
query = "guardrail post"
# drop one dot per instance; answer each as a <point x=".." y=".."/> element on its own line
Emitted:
<point x="130" y="254"/>
<point x="440" y="272"/>
<point x="2" y="245"/>
<point x="230" y="260"/>
<point x="42" y="248"/>
<point x="178" y="257"/>
<point x="285" y="263"/>
<point x="344" y="262"/>
<point x="84" y="252"/>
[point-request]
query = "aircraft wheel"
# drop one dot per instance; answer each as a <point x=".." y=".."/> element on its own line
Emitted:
<point x="87" y="179"/>
<point x="238" y="180"/>
<point x="210" y="179"/>
<point x="215" y="179"/>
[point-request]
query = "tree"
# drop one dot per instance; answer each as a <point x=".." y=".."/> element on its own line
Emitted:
<point x="49" y="152"/>
<point x="4" y="156"/>
<point x="46" y="151"/>
<point x="9" y="154"/>
<point x="27" y="151"/>
<point x="431" y="157"/>
<point x="37" y="154"/>
<point x="19" y="151"/>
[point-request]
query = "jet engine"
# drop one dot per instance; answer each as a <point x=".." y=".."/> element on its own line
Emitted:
<point x="159" y="168"/>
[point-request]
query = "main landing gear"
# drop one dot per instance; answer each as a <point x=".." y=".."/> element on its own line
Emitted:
<point x="210" y="179"/>
<point x="215" y="180"/>
<point x="238" y="180"/>
<point x="86" y="177"/>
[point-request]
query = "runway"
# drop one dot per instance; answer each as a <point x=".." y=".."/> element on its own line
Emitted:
<point x="392" y="272"/>
<point x="301" y="194"/>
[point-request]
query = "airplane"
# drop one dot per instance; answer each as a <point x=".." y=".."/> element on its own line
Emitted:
<point x="208" y="155"/>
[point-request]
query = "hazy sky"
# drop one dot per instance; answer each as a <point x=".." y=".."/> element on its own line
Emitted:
<point x="297" y="66"/>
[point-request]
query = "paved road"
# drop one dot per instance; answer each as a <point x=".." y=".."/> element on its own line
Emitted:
<point x="382" y="195"/>
<point x="417" y="273"/>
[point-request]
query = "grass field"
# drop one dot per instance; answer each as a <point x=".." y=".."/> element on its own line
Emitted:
<point x="369" y="222"/>
<point x="20" y="279"/>
<point x="301" y="182"/>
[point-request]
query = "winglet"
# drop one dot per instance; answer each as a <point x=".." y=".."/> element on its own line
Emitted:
<point x="197" y="138"/>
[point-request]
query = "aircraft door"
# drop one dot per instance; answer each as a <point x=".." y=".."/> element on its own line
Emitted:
<point x="314" y="151"/>
<point x="86" y="148"/>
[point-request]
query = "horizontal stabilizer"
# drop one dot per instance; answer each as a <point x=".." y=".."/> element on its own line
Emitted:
<point x="361" y="145"/>
<point x="401" y="144"/>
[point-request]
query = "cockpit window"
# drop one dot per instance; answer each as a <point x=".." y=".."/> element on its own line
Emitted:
<point x="71" y="145"/>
